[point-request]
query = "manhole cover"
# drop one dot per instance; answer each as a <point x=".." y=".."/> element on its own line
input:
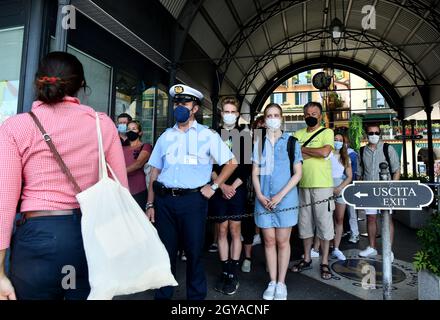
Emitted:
<point x="352" y="269"/>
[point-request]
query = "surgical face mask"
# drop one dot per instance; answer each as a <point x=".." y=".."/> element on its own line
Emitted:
<point x="311" y="122"/>
<point x="132" y="136"/>
<point x="182" y="114"/>
<point x="122" y="128"/>
<point x="338" y="145"/>
<point x="229" y="119"/>
<point x="373" y="139"/>
<point x="273" y="124"/>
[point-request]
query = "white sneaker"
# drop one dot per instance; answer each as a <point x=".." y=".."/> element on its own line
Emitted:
<point x="313" y="254"/>
<point x="257" y="240"/>
<point x="269" y="294"/>
<point x="280" y="292"/>
<point x="337" y="254"/>
<point x="369" y="252"/>
<point x="354" y="238"/>
<point x="246" y="266"/>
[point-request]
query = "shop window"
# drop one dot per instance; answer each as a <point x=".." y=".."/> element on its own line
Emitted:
<point x="11" y="44"/>
<point x="98" y="77"/>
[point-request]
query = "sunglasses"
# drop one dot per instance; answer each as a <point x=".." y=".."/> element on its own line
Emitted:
<point x="374" y="133"/>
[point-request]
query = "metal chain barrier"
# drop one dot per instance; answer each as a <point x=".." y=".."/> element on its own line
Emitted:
<point x="249" y="215"/>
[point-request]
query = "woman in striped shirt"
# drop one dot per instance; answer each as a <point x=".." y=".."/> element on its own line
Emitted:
<point x="47" y="254"/>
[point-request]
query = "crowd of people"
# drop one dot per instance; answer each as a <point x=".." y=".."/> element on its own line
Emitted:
<point x="193" y="172"/>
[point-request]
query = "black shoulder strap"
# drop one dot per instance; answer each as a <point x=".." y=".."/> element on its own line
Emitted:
<point x="386" y="148"/>
<point x="361" y="154"/>
<point x="313" y="137"/>
<point x="291" y="144"/>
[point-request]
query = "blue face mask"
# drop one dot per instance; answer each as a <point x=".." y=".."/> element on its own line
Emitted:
<point x="122" y="128"/>
<point x="182" y="114"/>
<point x="339" y="145"/>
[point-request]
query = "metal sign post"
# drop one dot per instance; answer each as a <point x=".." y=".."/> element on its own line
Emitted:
<point x="387" y="195"/>
<point x="387" y="274"/>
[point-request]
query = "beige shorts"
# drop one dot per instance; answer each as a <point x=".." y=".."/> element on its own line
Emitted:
<point x="317" y="217"/>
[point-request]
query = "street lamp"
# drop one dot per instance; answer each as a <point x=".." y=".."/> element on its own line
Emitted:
<point x="336" y="30"/>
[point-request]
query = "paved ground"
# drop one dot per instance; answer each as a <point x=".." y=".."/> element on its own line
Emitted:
<point x="300" y="287"/>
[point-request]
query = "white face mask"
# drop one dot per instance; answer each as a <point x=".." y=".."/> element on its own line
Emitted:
<point x="229" y="119"/>
<point x="273" y="124"/>
<point x="373" y="139"/>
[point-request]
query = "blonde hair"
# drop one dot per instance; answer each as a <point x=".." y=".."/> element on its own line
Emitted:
<point x="231" y="100"/>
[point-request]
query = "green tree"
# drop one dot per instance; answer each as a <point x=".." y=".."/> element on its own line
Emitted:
<point x="356" y="132"/>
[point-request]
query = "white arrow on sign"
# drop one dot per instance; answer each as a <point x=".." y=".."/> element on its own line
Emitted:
<point x="361" y="195"/>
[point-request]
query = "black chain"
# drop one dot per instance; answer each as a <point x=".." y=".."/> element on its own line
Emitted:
<point x="249" y="215"/>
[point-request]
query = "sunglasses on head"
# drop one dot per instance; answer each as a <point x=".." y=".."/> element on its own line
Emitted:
<point x="374" y="133"/>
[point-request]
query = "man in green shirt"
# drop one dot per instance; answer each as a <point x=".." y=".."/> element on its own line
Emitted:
<point x="316" y="185"/>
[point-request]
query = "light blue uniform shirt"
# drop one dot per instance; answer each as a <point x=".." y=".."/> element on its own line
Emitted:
<point x="186" y="158"/>
<point x="274" y="176"/>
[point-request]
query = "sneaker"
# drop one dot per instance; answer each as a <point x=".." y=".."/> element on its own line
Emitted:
<point x="231" y="285"/>
<point x="220" y="283"/>
<point x="369" y="252"/>
<point x="313" y="254"/>
<point x="213" y="248"/>
<point x="246" y="266"/>
<point x="354" y="238"/>
<point x="269" y="294"/>
<point x="257" y="240"/>
<point x="280" y="292"/>
<point x="337" y="254"/>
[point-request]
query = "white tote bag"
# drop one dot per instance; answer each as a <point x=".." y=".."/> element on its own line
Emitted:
<point x="124" y="252"/>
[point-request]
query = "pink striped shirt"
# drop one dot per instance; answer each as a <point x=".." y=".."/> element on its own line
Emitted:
<point x="25" y="157"/>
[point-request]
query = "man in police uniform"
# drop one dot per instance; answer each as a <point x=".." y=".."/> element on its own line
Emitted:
<point x="180" y="187"/>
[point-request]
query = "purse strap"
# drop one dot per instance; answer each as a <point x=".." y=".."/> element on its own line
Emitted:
<point x="313" y="137"/>
<point x="55" y="153"/>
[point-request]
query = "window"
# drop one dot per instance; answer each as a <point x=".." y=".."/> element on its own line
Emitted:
<point x="11" y="44"/>
<point x="305" y="77"/>
<point x="302" y="98"/>
<point x="278" y="98"/>
<point x="98" y="77"/>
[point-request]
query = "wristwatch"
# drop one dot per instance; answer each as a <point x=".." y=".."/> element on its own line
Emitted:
<point x="149" y="206"/>
<point x="214" y="187"/>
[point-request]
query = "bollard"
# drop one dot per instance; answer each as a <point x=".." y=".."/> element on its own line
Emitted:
<point x="387" y="275"/>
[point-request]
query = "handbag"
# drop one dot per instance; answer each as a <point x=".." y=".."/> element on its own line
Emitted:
<point x="124" y="252"/>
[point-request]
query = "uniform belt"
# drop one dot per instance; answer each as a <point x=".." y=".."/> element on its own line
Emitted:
<point x="56" y="213"/>
<point x="177" y="192"/>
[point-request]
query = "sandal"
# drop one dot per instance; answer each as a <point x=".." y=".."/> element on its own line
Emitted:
<point x="326" y="274"/>
<point x="302" y="266"/>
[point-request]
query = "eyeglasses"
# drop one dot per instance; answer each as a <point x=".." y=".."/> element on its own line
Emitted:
<point x="374" y="133"/>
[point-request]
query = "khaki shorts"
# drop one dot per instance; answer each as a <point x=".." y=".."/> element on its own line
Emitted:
<point x="316" y="217"/>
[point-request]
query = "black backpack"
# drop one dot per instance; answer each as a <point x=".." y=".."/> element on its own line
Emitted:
<point x="386" y="148"/>
<point x="291" y="144"/>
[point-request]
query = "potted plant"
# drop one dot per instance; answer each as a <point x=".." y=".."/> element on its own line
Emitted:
<point x="427" y="260"/>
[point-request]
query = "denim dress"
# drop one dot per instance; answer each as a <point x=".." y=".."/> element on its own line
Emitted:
<point x="274" y="176"/>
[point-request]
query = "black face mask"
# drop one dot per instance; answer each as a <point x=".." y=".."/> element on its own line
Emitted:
<point x="132" y="136"/>
<point x="311" y="122"/>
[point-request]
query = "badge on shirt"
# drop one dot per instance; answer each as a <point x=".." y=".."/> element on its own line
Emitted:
<point x="190" y="159"/>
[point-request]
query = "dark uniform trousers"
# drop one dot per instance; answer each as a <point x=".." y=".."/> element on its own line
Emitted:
<point x="180" y="222"/>
<point x="41" y="248"/>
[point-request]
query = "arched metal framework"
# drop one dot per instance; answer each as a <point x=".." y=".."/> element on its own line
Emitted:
<point x="384" y="87"/>
<point x="367" y="39"/>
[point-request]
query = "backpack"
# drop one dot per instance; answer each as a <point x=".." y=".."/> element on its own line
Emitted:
<point x="291" y="144"/>
<point x="386" y="147"/>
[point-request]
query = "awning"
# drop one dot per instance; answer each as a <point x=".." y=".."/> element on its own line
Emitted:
<point x="421" y="115"/>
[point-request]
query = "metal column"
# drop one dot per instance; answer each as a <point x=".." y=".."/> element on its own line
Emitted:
<point x="387" y="271"/>
<point x="61" y="33"/>
<point x="425" y="92"/>
<point x="413" y="147"/>
<point x="32" y="51"/>
<point x="404" y="150"/>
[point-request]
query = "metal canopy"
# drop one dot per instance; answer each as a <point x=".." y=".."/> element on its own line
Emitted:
<point x="253" y="41"/>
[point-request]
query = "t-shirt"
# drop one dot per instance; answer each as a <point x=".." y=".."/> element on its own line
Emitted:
<point x="317" y="172"/>
<point x="136" y="179"/>
<point x="338" y="168"/>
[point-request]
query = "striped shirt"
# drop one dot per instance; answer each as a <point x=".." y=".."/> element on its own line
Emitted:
<point x="26" y="160"/>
